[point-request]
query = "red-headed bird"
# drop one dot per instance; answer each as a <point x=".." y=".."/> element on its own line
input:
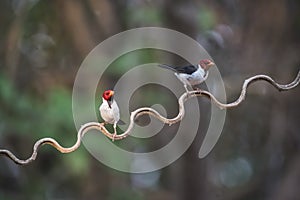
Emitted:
<point x="192" y="74"/>
<point x="109" y="110"/>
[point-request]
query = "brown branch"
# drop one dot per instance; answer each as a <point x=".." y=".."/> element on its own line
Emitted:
<point x="145" y="110"/>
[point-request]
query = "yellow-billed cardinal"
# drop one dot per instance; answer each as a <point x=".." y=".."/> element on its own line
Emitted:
<point x="192" y="74"/>
<point x="109" y="110"/>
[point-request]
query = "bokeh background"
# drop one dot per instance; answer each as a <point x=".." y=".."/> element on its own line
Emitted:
<point x="43" y="44"/>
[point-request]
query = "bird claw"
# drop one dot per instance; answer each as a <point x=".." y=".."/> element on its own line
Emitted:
<point x="198" y="89"/>
<point x="113" y="137"/>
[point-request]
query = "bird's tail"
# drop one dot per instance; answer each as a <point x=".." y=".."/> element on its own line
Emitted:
<point x="167" y="67"/>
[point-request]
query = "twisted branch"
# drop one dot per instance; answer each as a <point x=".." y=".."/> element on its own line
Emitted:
<point x="146" y="110"/>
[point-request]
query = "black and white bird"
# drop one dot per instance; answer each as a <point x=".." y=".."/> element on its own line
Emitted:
<point x="191" y="75"/>
<point x="109" y="110"/>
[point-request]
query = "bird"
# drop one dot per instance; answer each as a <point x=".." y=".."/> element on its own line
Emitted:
<point x="109" y="110"/>
<point x="191" y="75"/>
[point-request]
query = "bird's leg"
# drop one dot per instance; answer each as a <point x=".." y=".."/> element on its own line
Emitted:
<point x="198" y="89"/>
<point x="186" y="88"/>
<point x="115" y="131"/>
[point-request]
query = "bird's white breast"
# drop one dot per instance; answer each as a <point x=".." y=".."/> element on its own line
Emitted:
<point x="109" y="115"/>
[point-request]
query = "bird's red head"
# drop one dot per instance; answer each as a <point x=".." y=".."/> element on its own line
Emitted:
<point x="108" y="94"/>
<point x="206" y="63"/>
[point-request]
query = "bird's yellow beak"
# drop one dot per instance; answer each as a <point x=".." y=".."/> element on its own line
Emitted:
<point x="111" y="93"/>
<point x="211" y="64"/>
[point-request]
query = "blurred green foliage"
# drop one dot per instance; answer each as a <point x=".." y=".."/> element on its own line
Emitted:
<point x="206" y="19"/>
<point x="28" y="114"/>
<point x="37" y="117"/>
<point x="143" y="16"/>
<point x="125" y="194"/>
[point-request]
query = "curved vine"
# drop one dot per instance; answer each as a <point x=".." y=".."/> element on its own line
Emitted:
<point x="146" y="110"/>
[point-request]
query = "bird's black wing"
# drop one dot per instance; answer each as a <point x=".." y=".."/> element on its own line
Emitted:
<point x="186" y="69"/>
<point x="181" y="69"/>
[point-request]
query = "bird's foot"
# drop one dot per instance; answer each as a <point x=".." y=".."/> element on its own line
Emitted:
<point x="113" y="137"/>
<point x="115" y="132"/>
<point x="102" y="123"/>
<point x="197" y="89"/>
